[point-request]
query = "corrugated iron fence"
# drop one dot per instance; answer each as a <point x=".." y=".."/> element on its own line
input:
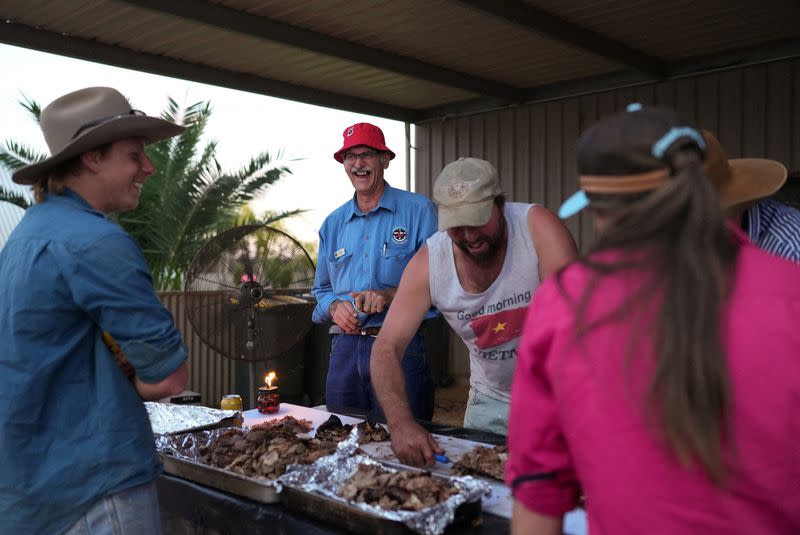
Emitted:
<point x="211" y="374"/>
<point x="754" y="111"/>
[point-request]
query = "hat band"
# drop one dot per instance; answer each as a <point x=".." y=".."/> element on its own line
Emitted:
<point x="102" y="120"/>
<point x="624" y="183"/>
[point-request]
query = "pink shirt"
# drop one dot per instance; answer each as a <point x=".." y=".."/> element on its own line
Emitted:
<point x="577" y="415"/>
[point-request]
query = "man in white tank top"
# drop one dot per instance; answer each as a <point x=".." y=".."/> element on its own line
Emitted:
<point x="480" y="271"/>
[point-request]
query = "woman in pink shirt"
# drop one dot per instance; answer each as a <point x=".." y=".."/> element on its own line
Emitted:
<point x="660" y="375"/>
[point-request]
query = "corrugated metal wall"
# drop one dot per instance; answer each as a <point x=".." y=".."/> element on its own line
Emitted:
<point x="10" y="215"/>
<point x="211" y="374"/>
<point x="754" y="111"/>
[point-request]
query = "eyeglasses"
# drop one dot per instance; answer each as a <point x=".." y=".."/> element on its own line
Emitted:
<point x="102" y="120"/>
<point x="352" y="157"/>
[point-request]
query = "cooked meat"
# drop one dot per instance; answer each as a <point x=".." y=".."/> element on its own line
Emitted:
<point x="409" y="491"/>
<point x="266" y="450"/>
<point x="334" y="429"/>
<point x="288" y="424"/>
<point x="371" y="432"/>
<point x="483" y="461"/>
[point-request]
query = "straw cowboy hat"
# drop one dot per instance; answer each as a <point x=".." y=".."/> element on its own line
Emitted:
<point x="741" y="180"/>
<point x="86" y="119"/>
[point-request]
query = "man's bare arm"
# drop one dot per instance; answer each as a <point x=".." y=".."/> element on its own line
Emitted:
<point x="555" y="246"/>
<point x="172" y="385"/>
<point x="526" y="522"/>
<point x="412" y="444"/>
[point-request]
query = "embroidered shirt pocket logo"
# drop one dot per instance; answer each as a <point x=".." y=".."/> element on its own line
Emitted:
<point x="399" y="235"/>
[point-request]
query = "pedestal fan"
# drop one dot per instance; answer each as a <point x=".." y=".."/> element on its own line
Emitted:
<point x="248" y="294"/>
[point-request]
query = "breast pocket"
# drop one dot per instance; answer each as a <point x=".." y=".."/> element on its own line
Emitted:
<point x="341" y="276"/>
<point x="393" y="263"/>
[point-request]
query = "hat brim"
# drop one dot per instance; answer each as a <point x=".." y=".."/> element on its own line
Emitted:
<point x="577" y="202"/>
<point x="152" y="129"/>
<point x="338" y="154"/>
<point x="474" y="214"/>
<point x="752" y="179"/>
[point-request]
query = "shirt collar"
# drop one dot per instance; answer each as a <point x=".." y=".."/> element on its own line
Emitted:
<point x="754" y="222"/>
<point x="70" y="197"/>
<point x="388" y="201"/>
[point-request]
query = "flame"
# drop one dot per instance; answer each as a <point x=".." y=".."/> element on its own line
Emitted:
<point x="269" y="378"/>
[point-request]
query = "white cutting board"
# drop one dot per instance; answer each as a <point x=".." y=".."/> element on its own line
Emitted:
<point x="498" y="502"/>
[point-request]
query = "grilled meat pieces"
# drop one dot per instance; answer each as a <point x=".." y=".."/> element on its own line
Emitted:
<point x="483" y="461"/>
<point x="407" y="491"/>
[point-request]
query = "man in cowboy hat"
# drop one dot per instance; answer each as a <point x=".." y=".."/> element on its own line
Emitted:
<point x="76" y="444"/>
<point x="743" y="184"/>
<point x="364" y="246"/>
<point x="480" y="271"/>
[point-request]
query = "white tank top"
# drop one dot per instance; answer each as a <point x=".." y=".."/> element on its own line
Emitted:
<point x="490" y="322"/>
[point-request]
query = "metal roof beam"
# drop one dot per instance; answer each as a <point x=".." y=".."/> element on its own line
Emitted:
<point x="56" y="43"/>
<point x="780" y="50"/>
<point x="225" y="18"/>
<point x="568" y="33"/>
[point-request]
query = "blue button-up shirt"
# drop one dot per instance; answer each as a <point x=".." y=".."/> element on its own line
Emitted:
<point x="359" y="251"/>
<point x="775" y="227"/>
<point x="72" y="427"/>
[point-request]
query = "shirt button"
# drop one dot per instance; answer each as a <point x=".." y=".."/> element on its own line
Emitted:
<point x="365" y="255"/>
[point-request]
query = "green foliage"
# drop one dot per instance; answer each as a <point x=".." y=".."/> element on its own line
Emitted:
<point x="14" y="155"/>
<point x="190" y="199"/>
<point x="187" y="201"/>
<point x="14" y="198"/>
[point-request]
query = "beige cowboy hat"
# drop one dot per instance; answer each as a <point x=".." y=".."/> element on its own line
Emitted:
<point x="86" y="119"/>
<point x="741" y="180"/>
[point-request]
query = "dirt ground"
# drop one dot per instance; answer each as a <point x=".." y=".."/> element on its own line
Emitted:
<point x="451" y="402"/>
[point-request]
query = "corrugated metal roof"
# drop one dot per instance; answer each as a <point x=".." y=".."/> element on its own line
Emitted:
<point x="681" y="29"/>
<point x="410" y="59"/>
<point x="441" y="32"/>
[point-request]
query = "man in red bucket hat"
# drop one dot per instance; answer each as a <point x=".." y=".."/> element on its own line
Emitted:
<point x="364" y="246"/>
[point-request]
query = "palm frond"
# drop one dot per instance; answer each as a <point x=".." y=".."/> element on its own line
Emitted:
<point x="14" y="198"/>
<point x="190" y="197"/>
<point x="15" y="155"/>
<point x="33" y="108"/>
<point x="274" y="217"/>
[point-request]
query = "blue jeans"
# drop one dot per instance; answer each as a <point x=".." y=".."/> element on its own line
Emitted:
<point x="133" y="511"/>
<point x="349" y="386"/>
<point x="486" y="413"/>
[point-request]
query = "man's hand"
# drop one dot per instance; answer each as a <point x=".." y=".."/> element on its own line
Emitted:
<point x="373" y="301"/>
<point x="413" y="445"/>
<point x="345" y="316"/>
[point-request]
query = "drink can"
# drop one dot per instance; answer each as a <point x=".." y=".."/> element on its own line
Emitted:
<point x="231" y="402"/>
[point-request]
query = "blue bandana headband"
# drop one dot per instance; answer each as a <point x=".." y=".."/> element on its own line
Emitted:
<point x="660" y="147"/>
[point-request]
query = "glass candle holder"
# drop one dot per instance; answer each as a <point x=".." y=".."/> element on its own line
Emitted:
<point x="269" y="400"/>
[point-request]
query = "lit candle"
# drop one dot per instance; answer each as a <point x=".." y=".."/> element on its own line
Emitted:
<point x="269" y="400"/>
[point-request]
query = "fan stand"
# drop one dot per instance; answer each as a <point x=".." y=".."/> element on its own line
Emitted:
<point x="251" y="350"/>
<point x="256" y="293"/>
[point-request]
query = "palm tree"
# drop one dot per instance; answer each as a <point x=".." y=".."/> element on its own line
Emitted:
<point x="14" y="155"/>
<point x="187" y="200"/>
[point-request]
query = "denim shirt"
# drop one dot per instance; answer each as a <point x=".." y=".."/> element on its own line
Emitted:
<point x="359" y="251"/>
<point x="72" y="427"/>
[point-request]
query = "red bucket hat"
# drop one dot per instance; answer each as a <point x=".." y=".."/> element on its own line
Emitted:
<point x="363" y="134"/>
